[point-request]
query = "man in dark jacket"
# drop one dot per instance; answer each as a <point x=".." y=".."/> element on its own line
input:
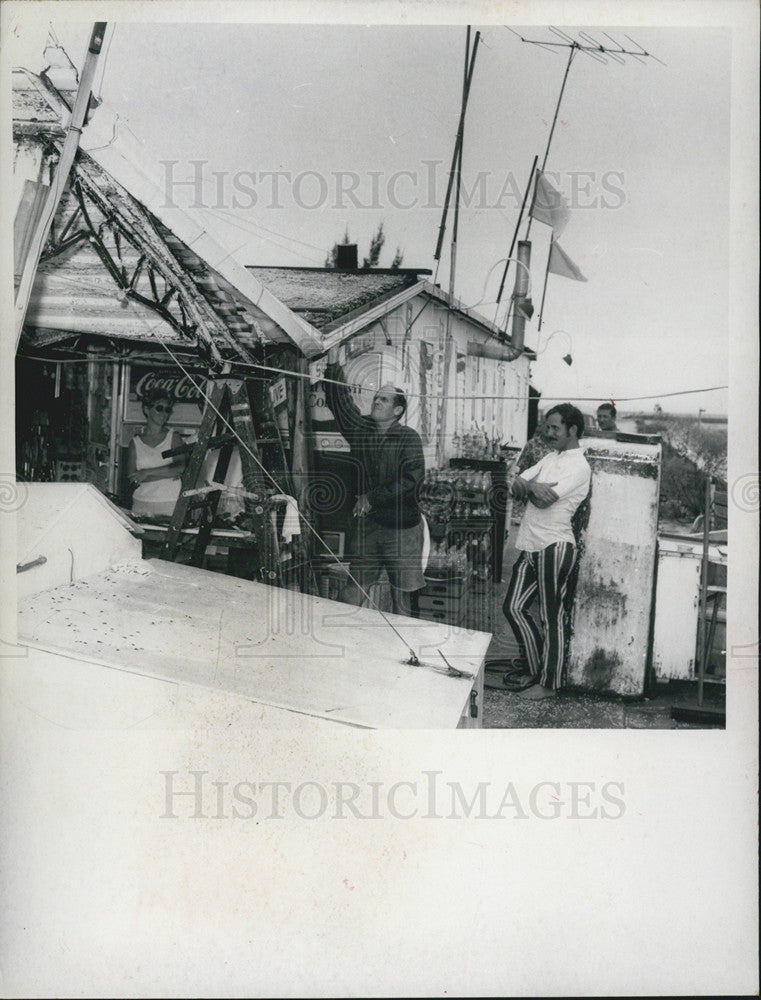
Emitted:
<point x="391" y="469"/>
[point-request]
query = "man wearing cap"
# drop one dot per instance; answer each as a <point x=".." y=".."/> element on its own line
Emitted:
<point x="391" y="470"/>
<point x="553" y="488"/>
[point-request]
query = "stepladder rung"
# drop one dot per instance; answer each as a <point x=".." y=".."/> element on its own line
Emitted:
<point x="227" y="420"/>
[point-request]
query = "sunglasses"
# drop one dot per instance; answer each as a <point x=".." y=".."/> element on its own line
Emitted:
<point x="162" y="409"/>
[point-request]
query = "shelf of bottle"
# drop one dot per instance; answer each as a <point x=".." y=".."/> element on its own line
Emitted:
<point x="460" y="524"/>
<point x="465" y="494"/>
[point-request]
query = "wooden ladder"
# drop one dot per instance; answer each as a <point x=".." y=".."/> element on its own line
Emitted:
<point x="228" y="405"/>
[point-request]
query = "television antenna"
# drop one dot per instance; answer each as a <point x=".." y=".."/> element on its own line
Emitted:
<point x="591" y="46"/>
<point x="588" y="46"/>
<point x="600" y="52"/>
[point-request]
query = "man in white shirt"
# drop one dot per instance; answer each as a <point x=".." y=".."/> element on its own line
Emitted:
<point x="553" y="489"/>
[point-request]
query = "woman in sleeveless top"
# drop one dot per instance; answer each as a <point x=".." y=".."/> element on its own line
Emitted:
<point x="157" y="478"/>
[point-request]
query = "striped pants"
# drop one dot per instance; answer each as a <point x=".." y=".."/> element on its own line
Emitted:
<point x="547" y="572"/>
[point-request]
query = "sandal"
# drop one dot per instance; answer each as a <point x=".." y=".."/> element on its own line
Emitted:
<point x="509" y="666"/>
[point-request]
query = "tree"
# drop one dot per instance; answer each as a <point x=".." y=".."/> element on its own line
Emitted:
<point x="376" y="245"/>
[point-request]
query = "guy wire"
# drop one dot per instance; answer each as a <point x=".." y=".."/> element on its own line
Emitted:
<point x="275" y="483"/>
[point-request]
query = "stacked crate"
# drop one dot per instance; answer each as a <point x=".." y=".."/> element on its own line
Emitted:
<point x="444" y="599"/>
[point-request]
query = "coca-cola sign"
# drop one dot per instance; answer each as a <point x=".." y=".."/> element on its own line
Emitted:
<point x="182" y="388"/>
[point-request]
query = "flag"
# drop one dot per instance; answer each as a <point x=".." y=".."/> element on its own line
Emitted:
<point x="549" y="205"/>
<point x="560" y="263"/>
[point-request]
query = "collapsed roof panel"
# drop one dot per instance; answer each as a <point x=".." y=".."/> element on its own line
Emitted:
<point x="122" y="230"/>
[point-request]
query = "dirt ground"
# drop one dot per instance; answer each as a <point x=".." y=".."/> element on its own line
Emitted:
<point x="504" y="709"/>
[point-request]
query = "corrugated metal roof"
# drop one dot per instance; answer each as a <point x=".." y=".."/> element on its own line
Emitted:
<point x="327" y="296"/>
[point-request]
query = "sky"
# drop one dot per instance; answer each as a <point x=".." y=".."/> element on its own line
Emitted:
<point x="292" y="134"/>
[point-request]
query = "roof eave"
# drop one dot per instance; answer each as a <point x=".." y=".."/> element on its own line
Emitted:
<point x="344" y="330"/>
<point x="486" y="325"/>
<point x="347" y="329"/>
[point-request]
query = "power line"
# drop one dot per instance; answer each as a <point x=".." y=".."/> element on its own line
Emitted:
<point x="410" y="395"/>
<point x="258" y="225"/>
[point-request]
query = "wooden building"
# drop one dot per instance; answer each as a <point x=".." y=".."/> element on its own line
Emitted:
<point x="393" y="325"/>
<point x="129" y="291"/>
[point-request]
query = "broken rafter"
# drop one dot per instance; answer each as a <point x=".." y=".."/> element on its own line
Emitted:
<point x="136" y="273"/>
<point x="114" y="229"/>
<point x="118" y="270"/>
<point x="138" y="229"/>
<point x="72" y="219"/>
<point x="152" y="280"/>
<point x="161" y="311"/>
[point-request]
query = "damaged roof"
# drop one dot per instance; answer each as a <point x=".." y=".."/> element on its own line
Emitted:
<point x="341" y="302"/>
<point x="99" y="284"/>
<point x="327" y="297"/>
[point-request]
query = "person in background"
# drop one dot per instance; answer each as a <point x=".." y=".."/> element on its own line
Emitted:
<point x="535" y="448"/>
<point x="554" y="489"/>
<point x="606" y="420"/>
<point x="390" y="531"/>
<point x="158" y="479"/>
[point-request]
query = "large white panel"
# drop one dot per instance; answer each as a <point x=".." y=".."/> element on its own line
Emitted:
<point x="613" y="604"/>
<point x="676" y="614"/>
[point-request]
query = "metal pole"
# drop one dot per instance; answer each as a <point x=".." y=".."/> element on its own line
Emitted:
<point x="515" y="234"/>
<point x="544" y="289"/>
<point x="458" y="143"/>
<point x="571" y="54"/>
<point x="455" y="229"/>
<point x="448" y="342"/>
<point x="704" y="590"/>
<point x="114" y="436"/>
<point x="68" y="152"/>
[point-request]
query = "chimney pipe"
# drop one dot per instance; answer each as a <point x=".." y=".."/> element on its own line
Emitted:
<point x="346" y="256"/>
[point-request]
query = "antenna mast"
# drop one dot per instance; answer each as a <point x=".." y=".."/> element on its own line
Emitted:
<point x="594" y="49"/>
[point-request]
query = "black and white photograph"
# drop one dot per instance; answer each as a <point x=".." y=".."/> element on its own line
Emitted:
<point x="372" y="373"/>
